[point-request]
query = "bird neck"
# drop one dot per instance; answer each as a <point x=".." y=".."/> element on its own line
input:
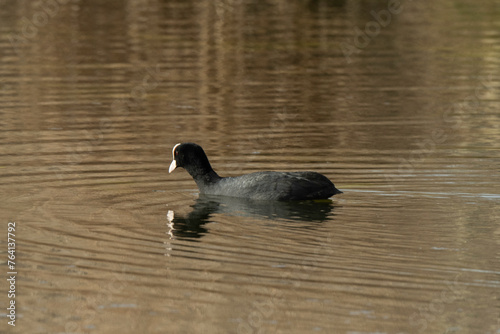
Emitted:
<point x="203" y="175"/>
<point x="207" y="179"/>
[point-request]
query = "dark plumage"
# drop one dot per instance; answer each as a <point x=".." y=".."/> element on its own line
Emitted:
<point x="281" y="186"/>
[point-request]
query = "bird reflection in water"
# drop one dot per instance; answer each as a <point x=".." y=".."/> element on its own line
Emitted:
<point x="300" y="214"/>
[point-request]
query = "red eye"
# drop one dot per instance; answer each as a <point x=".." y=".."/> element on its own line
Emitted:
<point x="176" y="153"/>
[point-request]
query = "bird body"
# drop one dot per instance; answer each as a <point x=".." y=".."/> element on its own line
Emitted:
<point x="280" y="186"/>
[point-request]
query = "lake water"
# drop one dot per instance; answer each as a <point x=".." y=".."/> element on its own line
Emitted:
<point x="398" y="103"/>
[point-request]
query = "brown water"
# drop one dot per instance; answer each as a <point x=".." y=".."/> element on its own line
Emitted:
<point x="405" y="120"/>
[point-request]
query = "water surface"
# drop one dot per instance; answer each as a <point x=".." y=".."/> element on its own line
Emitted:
<point x="404" y="120"/>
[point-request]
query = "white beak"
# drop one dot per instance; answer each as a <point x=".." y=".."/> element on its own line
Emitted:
<point x="173" y="165"/>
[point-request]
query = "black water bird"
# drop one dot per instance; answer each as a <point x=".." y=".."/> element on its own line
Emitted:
<point x="279" y="186"/>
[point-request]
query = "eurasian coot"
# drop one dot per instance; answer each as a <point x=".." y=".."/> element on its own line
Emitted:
<point x="281" y="186"/>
